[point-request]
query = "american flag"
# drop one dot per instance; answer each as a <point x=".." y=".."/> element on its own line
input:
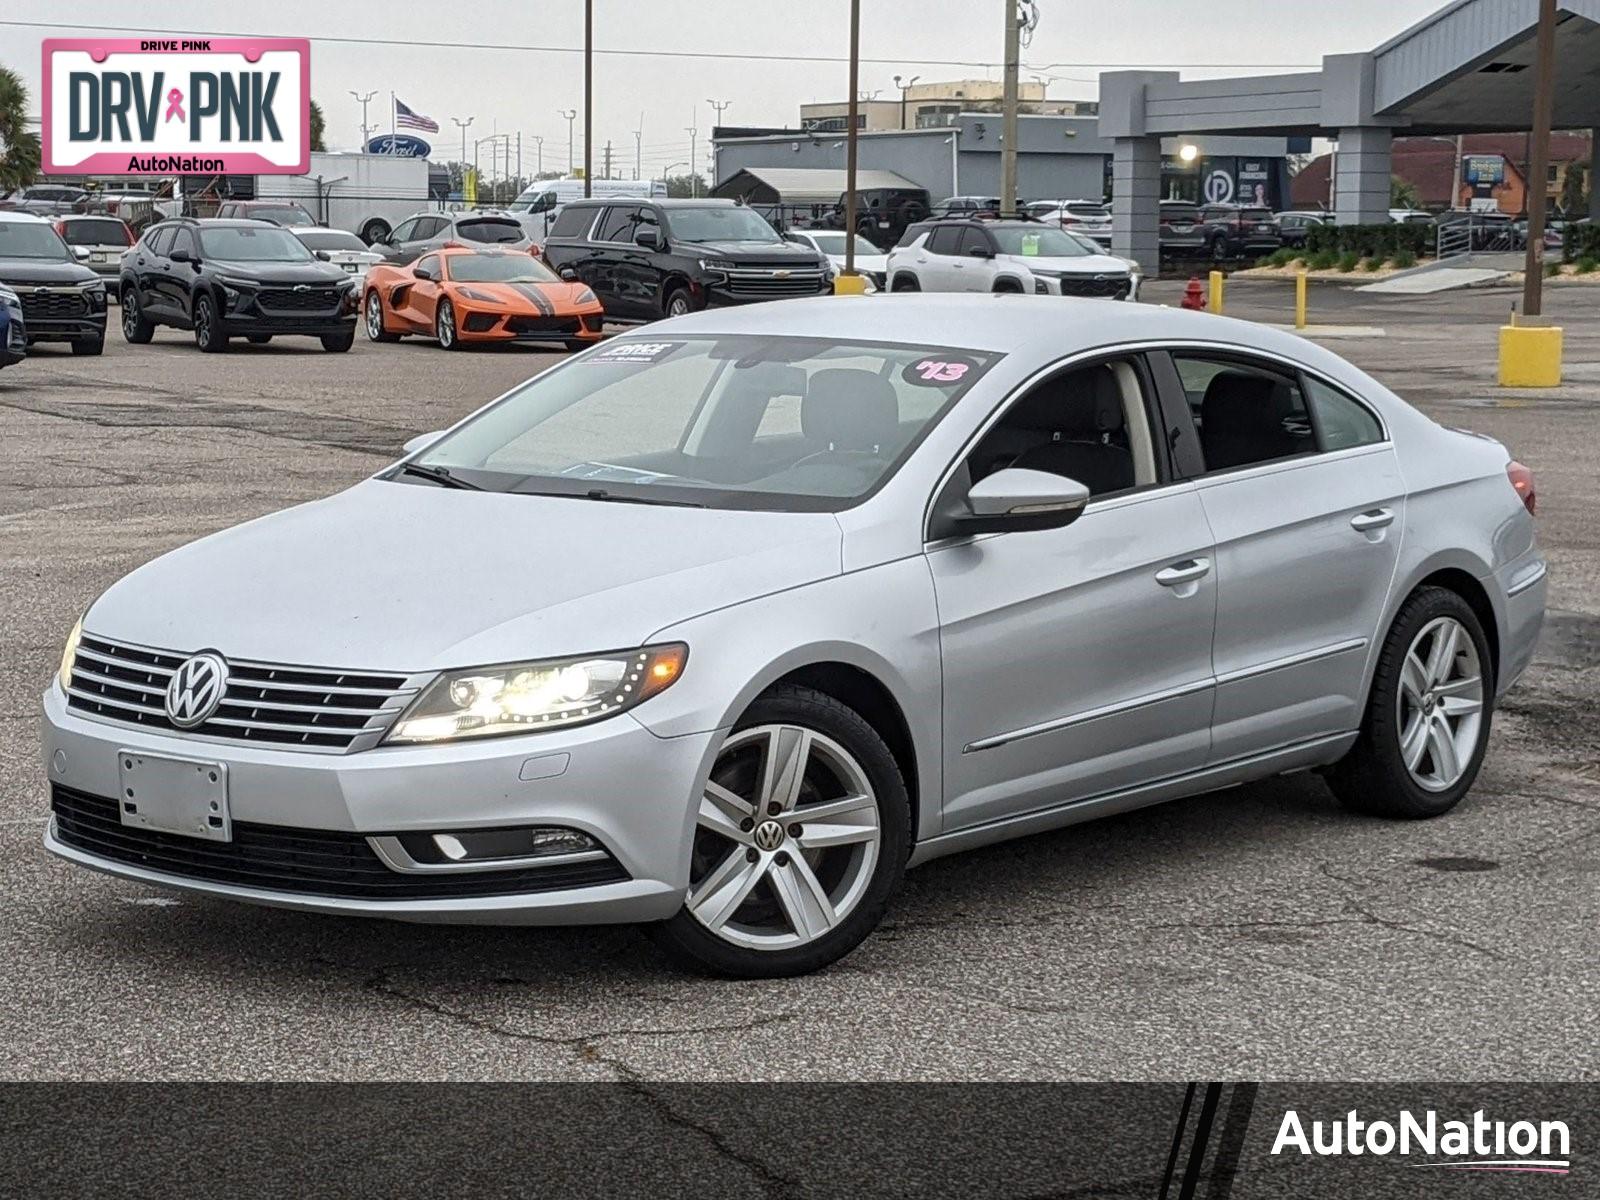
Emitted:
<point x="407" y="119"/>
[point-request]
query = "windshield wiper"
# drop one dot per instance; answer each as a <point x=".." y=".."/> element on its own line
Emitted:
<point x="439" y="475"/>
<point x="613" y="498"/>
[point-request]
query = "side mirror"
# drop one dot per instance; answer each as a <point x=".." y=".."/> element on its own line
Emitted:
<point x="568" y="274"/>
<point x="81" y="253"/>
<point x="648" y="238"/>
<point x="422" y="441"/>
<point x="181" y="255"/>
<point x="981" y="252"/>
<point x="324" y="256"/>
<point x="422" y="273"/>
<point x="1017" y="500"/>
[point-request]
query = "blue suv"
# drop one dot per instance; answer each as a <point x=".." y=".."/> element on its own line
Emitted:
<point x="13" y="334"/>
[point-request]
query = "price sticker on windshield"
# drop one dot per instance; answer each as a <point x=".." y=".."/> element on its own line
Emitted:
<point x="944" y="371"/>
<point x="634" y="352"/>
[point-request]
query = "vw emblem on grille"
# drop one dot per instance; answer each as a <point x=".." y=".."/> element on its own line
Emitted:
<point x="196" y="689"/>
<point x="768" y="835"/>
<point x="302" y="287"/>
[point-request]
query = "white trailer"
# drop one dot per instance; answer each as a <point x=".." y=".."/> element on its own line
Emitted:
<point x="368" y="194"/>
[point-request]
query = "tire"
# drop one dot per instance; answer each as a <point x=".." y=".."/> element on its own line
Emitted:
<point x="259" y="339"/>
<point x="677" y="302"/>
<point x="373" y="230"/>
<point x="1219" y="249"/>
<point x="135" y="329"/>
<point x="338" y="343"/>
<point x="373" y="308"/>
<point x="1007" y="287"/>
<point x="574" y="345"/>
<point x="1427" y="701"/>
<point x="905" y="283"/>
<point x="749" y="924"/>
<point x="444" y="326"/>
<point x="89" y="347"/>
<point x="208" y="333"/>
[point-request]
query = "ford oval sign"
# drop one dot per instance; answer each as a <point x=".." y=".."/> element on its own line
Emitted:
<point x="402" y="144"/>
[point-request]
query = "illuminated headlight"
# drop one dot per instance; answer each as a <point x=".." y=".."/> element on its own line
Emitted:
<point x="524" y="697"/>
<point x="716" y="264"/>
<point x="69" y="654"/>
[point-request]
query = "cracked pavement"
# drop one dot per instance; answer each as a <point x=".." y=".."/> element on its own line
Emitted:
<point x="1254" y="933"/>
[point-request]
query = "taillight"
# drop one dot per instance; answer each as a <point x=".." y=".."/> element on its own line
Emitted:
<point x="127" y="234"/>
<point x="1522" y="481"/>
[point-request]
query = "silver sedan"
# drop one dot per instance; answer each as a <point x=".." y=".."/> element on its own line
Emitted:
<point x="723" y="624"/>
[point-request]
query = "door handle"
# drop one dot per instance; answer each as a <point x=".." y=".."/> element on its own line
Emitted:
<point x="1373" y="518"/>
<point x="1184" y="572"/>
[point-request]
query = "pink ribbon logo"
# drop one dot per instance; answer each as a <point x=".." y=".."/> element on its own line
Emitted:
<point x="175" y="105"/>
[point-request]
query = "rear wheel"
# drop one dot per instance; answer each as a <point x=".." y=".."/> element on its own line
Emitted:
<point x="801" y="839"/>
<point x="1219" y="249"/>
<point x="135" y="329"/>
<point x="1427" y="722"/>
<point x="374" y="321"/>
<point x="208" y="333"/>
<point x="444" y="326"/>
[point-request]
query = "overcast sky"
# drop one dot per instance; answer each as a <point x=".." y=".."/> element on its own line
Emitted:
<point x="510" y="90"/>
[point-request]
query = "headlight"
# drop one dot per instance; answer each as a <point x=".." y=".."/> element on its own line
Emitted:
<point x="9" y="299"/>
<point x="69" y="654"/>
<point x="523" y="697"/>
<point x="586" y="297"/>
<point x="228" y="281"/>
<point x="716" y="264"/>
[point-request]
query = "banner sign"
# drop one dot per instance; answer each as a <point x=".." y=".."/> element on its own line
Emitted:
<point x="404" y="145"/>
<point x="165" y="106"/>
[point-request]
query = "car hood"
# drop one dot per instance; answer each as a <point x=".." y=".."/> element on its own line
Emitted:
<point x="1085" y="264"/>
<point x="278" y="272"/>
<point x="411" y="577"/>
<point x="15" y="272"/>
<point x="764" y="252"/>
<point x="864" y="262"/>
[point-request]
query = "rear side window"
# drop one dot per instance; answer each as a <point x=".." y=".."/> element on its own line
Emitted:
<point x="912" y="233"/>
<point x="973" y="239"/>
<point x="1246" y="412"/>
<point x="160" y="240"/>
<point x="617" y="224"/>
<point x="1341" y="420"/>
<point x="944" y="239"/>
<point x="572" y="222"/>
<point x="490" y="231"/>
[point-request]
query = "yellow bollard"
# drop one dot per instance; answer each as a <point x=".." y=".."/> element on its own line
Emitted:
<point x="1214" y="304"/>
<point x="1530" y="355"/>
<point x="1300" y="299"/>
<point x="849" y="285"/>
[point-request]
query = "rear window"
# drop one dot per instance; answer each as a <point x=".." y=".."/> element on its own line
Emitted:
<point x="1088" y="210"/>
<point x="492" y="231"/>
<point x="331" y="239"/>
<point x="286" y="214"/>
<point x="95" y="233"/>
<point x="1256" y="214"/>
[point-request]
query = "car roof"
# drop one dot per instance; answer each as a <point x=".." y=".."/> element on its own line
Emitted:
<point x="9" y="215"/>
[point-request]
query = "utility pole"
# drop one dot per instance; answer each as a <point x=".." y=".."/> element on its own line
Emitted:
<point x="638" y="146"/>
<point x="519" y="160"/>
<point x="1008" y="146"/>
<point x="850" y="139"/>
<point x="1544" y="89"/>
<point x="588" y="99"/>
<point x="462" y="125"/>
<point x="694" y="170"/>
<point x="607" y="174"/>
<point x="538" y="149"/>
<point x="363" y="100"/>
<point x="569" y="115"/>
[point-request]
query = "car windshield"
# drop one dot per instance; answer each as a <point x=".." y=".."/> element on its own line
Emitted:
<point x="330" y="239"/>
<point x="497" y="268"/>
<point x="1036" y="243"/>
<point x="245" y="243"/>
<point x="734" y="421"/>
<point x="30" y="239"/>
<point x="731" y="224"/>
<point x="101" y="232"/>
<point x="830" y="242"/>
<point x="287" y="215"/>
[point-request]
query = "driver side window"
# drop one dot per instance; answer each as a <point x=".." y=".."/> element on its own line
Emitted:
<point x="1090" y="424"/>
<point x="428" y="266"/>
<point x="406" y="231"/>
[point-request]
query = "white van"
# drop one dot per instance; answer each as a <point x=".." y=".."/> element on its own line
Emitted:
<point x="540" y="201"/>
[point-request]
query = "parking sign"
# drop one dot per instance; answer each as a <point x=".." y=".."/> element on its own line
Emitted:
<point x="164" y="106"/>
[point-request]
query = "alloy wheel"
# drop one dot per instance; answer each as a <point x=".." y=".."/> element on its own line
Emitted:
<point x="202" y="321"/>
<point x="374" y="317"/>
<point x="787" y="839"/>
<point x="130" y="316"/>
<point x="678" y="306"/>
<point x="444" y="325"/>
<point x="1440" y="704"/>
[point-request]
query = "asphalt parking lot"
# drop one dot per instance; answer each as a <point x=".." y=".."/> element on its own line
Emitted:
<point x="1255" y="933"/>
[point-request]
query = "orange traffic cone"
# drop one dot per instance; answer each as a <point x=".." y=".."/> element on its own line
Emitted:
<point x="1194" y="295"/>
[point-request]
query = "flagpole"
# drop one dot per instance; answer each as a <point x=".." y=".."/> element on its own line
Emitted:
<point x="391" y="122"/>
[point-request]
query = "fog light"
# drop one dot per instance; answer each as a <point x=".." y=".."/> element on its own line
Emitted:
<point x="488" y="846"/>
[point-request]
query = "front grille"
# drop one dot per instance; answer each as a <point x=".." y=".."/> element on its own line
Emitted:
<point x="552" y="325"/>
<point x="303" y="707"/>
<point x="52" y="305"/>
<point x="313" y="862"/>
<point x="313" y="299"/>
<point x="775" y="282"/>
<point x="1113" y="287"/>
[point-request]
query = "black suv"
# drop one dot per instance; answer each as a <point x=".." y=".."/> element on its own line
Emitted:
<point x="62" y="300"/>
<point x="664" y="258"/>
<point x="882" y="214"/>
<point x="226" y="279"/>
<point x="1234" y="231"/>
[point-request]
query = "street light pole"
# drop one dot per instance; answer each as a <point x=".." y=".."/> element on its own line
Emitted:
<point x="1544" y="88"/>
<point x="588" y="96"/>
<point x="462" y="125"/>
<point x="904" y="88"/>
<point x="569" y="115"/>
<point x="850" y="139"/>
<point x="638" y="146"/>
<point x="363" y="100"/>
<point x="538" y="150"/>
<point x="1008" y="148"/>
<point x="694" y="189"/>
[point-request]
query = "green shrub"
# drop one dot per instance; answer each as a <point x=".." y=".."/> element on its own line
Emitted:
<point x="1588" y="265"/>
<point x="1322" y="260"/>
<point x="1552" y="269"/>
<point x="1349" y="260"/>
<point x="1370" y="241"/>
<point x="1281" y="258"/>
<point x="1371" y="264"/>
<point x="1581" y="241"/>
<point x="1404" y="260"/>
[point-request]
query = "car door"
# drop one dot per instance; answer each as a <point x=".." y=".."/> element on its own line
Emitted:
<point x="639" y="276"/>
<point x="140" y="263"/>
<point x="975" y="265"/>
<point x="174" y="282"/>
<point x="420" y="300"/>
<point x="153" y="271"/>
<point x="1077" y="661"/>
<point x="1304" y="496"/>
<point x="607" y="256"/>
<point x="936" y="257"/>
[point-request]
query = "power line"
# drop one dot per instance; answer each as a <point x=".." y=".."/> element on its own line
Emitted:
<point x="420" y="44"/>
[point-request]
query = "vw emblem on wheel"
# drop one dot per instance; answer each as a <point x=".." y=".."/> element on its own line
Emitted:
<point x="768" y="835"/>
<point x="196" y="689"/>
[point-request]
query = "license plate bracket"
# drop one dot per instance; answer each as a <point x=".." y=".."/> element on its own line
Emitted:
<point x="184" y="796"/>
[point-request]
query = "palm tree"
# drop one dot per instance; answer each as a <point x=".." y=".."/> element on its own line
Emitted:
<point x="19" y="147"/>
<point x="316" y="127"/>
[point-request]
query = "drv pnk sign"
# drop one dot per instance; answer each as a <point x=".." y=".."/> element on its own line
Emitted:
<point x="166" y="106"/>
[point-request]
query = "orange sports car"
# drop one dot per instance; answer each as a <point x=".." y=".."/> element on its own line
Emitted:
<point x="459" y="296"/>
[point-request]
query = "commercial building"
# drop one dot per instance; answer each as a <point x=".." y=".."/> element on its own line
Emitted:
<point x="936" y="105"/>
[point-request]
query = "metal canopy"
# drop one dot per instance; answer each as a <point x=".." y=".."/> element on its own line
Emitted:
<point x="801" y="185"/>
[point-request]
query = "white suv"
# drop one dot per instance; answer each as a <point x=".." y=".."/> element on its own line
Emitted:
<point x="1005" y="256"/>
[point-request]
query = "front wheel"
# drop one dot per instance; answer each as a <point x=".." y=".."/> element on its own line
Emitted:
<point x="89" y="346"/>
<point x="1219" y="250"/>
<point x="678" y="303"/>
<point x="444" y="326"/>
<point x="905" y="283"/>
<point x="375" y="330"/>
<point x="1427" y="721"/>
<point x="135" y="328"/>
<point x="801" y="839"/>
<point x="208" y="333"/>
<point x="259" y="339"/>
<point x="338" y="343"/>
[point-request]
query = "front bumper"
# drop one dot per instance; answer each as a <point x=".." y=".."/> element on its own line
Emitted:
<point x="89" y="326"/>
<point x="244" y="314"/>
<point x="614" y="780"/>
<point x="495" y="325"/>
